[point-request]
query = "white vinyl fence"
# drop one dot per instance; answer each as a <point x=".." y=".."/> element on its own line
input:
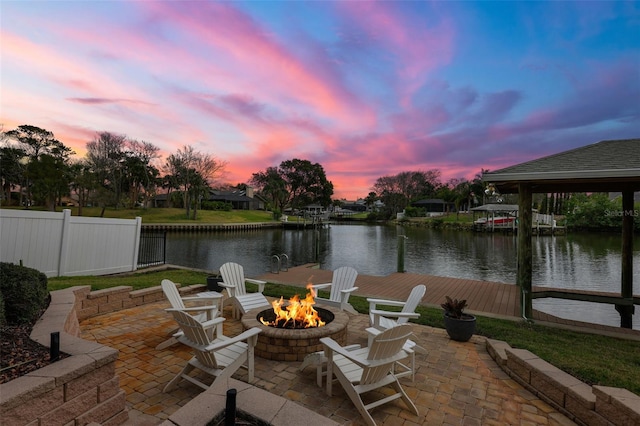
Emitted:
<point x="58" y="244"/>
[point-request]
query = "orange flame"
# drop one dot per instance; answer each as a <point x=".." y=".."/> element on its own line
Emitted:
<point x="297" y="313"/>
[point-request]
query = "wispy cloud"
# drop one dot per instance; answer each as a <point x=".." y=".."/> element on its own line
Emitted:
<point x="366" y="89"/>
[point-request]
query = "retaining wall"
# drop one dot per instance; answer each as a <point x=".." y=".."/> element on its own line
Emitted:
<point x="83" y="388"/>
<point x="582" y="403"/>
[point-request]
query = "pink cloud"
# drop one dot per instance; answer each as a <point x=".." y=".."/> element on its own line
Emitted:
<point x="243" y="43"/>
<point x="418" y="46"/>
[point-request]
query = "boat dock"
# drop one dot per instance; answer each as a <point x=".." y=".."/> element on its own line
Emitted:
<point x="485" y="298"/>
<point x="538" y="229"/>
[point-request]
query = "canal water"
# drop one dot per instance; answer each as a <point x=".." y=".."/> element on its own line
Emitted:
<point x="573" y="261"/>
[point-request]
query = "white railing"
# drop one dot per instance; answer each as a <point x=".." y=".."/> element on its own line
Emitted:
<point x="544" y="219"/>
<point x="58" y="244"/>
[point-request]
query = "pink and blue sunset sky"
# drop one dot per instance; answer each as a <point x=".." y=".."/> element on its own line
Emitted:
<point x="366" y="89"/>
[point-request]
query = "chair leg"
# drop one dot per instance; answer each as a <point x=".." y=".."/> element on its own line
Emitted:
<point x="174" y="382"/>
<point x="354" y="396"/>
<point x="231" y="369"/>
<point x="396" y="385"/>
<point x="167" y="343"/>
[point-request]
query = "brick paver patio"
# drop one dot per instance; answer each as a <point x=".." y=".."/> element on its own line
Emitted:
<point x="456" y="383"/>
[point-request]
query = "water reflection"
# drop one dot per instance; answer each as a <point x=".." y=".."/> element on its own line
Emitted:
<point x="587" y="262"/>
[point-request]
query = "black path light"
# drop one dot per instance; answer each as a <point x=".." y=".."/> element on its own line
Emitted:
<point x="54" y="348"/>
<point x="230" y="411"/>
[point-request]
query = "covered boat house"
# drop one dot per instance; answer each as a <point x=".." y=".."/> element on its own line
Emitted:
<point x="606" y="166"/>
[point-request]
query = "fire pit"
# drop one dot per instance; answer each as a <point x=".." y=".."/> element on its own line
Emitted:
<point x="293" y="330"/>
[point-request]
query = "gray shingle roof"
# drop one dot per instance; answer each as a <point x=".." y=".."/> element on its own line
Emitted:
<point x="617" y="156"/>
<point x="605" y="162"/>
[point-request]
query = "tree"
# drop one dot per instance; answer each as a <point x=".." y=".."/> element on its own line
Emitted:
<point x="272" y="186"/>
<point x="141" y="176"/>
<point x="462" y="194"/>
<point x="306" y="183"/>
<point x="106" y="156"/>
<point x="397" y="192"/>
<point x="371" y="199"/>
<point x="36" y="143"/>
<point x="295" y="183"/>
<point x="477" y="187"/>
<point x="83" y="182"/>
<point x="193" y="173"/>
<point x="47" y="160"/>
<point x="12" y="171"/>
<point x="50" y="179"/>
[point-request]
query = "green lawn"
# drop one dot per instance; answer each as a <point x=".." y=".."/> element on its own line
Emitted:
<point x="594" y="359"/>
<point x="171" y="215"/>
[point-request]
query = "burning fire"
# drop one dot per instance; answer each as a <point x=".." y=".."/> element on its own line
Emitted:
<point x="297" y="313"/>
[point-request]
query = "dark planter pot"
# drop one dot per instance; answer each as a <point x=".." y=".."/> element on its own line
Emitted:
<point x="460" y="329"/>
<point x="213" y="283"/>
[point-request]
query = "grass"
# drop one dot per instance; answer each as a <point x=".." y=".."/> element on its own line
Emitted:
<point x="593" y="359"/>
<point x="171" y="215"/>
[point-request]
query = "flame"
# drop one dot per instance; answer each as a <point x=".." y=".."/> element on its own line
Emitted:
<point x="297" y="313"/>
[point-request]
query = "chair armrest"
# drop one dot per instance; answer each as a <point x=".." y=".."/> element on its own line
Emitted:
<point x="201" y="299"/>
<point x="331" y="345"/>
<point x="344" y="294"/>
<point x="227" y="341"/>
<point x="374" y="302"/>
<point x="377" y="312"/>
<point x="321" y="286"/>
<point x="231" y="288"/>
<point x="215" y="321"/>
<point x="259" y="283"/>
<point x="197" y="308"/>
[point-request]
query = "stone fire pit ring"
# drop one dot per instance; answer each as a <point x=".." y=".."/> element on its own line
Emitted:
<point x="281" y="344"/>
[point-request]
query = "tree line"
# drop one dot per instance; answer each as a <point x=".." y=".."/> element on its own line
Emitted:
<point x="120" y="172"/>
<point x="116" y="172"/>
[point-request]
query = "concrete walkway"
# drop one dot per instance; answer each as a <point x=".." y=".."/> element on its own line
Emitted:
<point x="456" y="383"/>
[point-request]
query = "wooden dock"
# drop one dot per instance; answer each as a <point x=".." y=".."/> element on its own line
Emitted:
<point x="511" y="228"/>
<point x="483" y="297"/>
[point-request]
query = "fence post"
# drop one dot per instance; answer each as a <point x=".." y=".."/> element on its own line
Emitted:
<point x="136" y="244"/>
<point x="64" y="242"/>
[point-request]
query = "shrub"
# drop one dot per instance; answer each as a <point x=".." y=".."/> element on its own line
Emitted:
<point x="414" y="211"/>
<point x="217" y="205"/>
<point x="24" y="293"/>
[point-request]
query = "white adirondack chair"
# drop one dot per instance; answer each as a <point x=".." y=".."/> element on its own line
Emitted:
<point x="233" y="280"/>
<point x="366" y="369"/>
<point x="381" y="319"/>
<point x="220" y="357"/>
<point x="203" y="313"/>
<point x="341" y="286"/>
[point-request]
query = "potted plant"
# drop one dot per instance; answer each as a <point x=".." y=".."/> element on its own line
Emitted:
<point x="213" y="283"/>
<point x="459" y="326"/>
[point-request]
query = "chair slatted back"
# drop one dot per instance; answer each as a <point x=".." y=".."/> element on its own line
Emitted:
<point x="196" y="337"/>
<point x="416" y="295"/>
<point x="233" y="274"/>
<point x="172" y="294"/>
<point x="386" y="345"/>
<point x="344" y="278"/>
